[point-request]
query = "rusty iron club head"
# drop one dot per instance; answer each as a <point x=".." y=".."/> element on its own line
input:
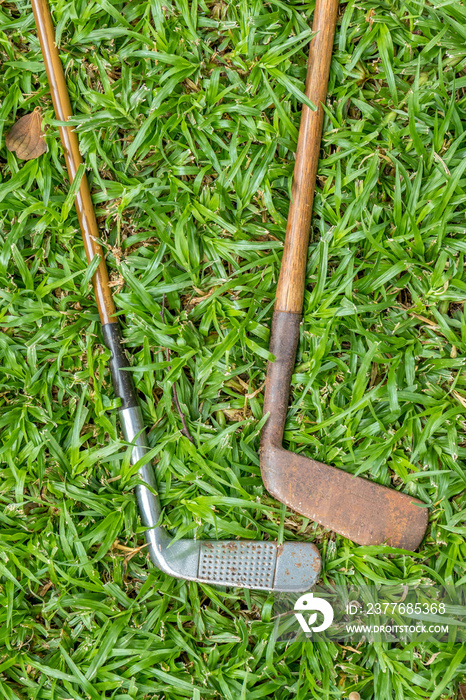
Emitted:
<point x="359" y="509"/>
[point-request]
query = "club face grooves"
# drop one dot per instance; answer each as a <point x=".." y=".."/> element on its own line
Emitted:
<point x="252" y="563"/>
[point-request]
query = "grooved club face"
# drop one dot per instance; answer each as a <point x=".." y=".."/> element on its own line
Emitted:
<point x="292" y="566"/>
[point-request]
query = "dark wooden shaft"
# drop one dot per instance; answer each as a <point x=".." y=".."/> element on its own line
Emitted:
<point x="290" y="289"/>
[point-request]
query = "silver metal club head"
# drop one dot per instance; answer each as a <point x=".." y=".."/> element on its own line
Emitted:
<point x="292" y="566"/>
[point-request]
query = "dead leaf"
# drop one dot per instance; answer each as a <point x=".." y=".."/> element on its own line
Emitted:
<point x="254" y="393"/>
<point x="462" y="691"/>
<point x="26" y="137"/>
<point x="234" y="414"/>
<point x="131" y="551"/>
<point x="424" y="319"/>
<point x="460" y="398"/>
<point x="351" y="649"/>
<point x="432" y="658"/>
<point x="45" y="588"/>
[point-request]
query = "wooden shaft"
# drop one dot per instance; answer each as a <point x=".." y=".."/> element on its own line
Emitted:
<point x="290" y="288"/>
<point x="83" y="202"/>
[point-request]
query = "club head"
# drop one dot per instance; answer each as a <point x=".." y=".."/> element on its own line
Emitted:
<point x="291" y="566"/>
<point x="361" y="510"/>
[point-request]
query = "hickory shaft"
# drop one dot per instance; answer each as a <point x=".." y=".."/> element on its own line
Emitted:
<point x="83" y="202"/>
<point x="290" y="289"/>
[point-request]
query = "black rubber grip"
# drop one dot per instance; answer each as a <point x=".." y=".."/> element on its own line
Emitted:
<point x="122" y="381"/>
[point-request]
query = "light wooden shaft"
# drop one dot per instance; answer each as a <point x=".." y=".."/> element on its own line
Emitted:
<point x="83" y="202"/>
<point x="290" y="288"/>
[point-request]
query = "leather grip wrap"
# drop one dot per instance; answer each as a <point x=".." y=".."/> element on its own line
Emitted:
<point x="284" y="339"/>
<point x="122" y="381"/>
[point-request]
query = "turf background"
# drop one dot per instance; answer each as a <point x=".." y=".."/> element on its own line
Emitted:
<point x="187" y="115"/>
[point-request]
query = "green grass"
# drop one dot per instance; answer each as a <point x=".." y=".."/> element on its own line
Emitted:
<point x="187" y="114"/>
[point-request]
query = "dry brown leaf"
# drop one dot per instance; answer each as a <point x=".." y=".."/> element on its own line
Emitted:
<point x="462" y="691"/>
<point x="432" y="658"/>
<point x="26" y="137"/>
<point x="254" y="393"/>
<point x="350" y="649"/>
<point x="460" y="398"/>
<point x="425" y="320"/>
<point x="130" y="551"/>
<point x="45" y="588"/>
<point x="233" y="414"/>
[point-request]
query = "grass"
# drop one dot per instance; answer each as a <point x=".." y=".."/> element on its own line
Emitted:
<point x="187" y="114"/>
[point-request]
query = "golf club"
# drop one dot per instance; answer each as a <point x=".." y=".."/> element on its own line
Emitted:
<point x="292" y="566"/>
<point x="356" y="508"/>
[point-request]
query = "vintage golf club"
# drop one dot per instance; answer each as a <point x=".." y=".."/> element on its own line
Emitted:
<point x="361" y="510"/>
<point x="292" y="566"/>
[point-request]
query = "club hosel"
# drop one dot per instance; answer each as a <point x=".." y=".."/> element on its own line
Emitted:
<point x="284" y="338"/>
<point x="178" y="559"/>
